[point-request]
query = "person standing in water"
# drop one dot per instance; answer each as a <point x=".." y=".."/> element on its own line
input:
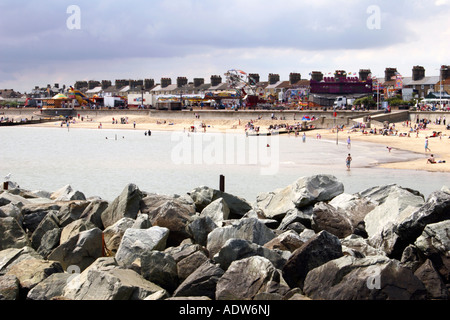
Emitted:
<point x="348" y="161"/>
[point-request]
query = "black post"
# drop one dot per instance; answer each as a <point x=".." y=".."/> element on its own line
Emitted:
<point x="222" y="183"/>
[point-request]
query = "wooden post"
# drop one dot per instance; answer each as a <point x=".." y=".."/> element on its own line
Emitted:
<point x="222" y="183"/>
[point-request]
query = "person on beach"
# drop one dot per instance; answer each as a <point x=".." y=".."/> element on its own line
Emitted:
<point x="348" y="161"/>
<point x="349" y="143"/>
<point x="431" y="160"/>
<point x="304" y="137"/>
<point x="427" y="148"/>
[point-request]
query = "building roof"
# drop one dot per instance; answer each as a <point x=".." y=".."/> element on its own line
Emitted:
<point x="408" y="81"/>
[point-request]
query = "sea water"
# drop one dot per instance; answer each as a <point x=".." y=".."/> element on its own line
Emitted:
<point x="102" y="162"/>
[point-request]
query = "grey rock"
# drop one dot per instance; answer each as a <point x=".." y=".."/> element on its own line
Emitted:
<point x="49" y="242"/>
<point x="187" y="265"/>
<point x="12" y="234"/>
<point x="237" y="249"/>
<point x="67" y="193"/>
<point x="30" y="272"/>
<point x="203" y="196"/>
<point x="74" y="228"/>
<point x="161" y="269"/>
<point x="326" y="217"/>
<point x="49" y="222"/>
<point x="434" y="243"/>
<point x="113" y="234"/>
<point x="9" y="287"/>
<point x="432" y="281"/>
<point x="111" y="283"/>
<point x="142" y="222"/>
<point x="10" y="257"/>
<point x="320" y="249"/>
<point x="217" y="210"/>
<point x="93" y="212"/>
<point x="370" y="278"/>
<point x="354" y="206"/>
<point x="71" y="211"/>
<point x="49" y="288"/>
<point x="200" y="228"/>
<point x="33" y="214"/>
<point x="170" y="213"/>
<point x="247" y="278"/>
<point x="248" y="229"/>
<point x="287" y="241"/>
<point x="126" y="205"/>
<point x="202" y="282"/>
<point x="136" y="242"/>
<point x="81" y="250"/>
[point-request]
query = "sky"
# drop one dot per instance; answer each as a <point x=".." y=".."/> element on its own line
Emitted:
<point x="58" y="41"/>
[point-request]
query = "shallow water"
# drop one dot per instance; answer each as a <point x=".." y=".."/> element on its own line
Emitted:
<point x="102" y="162"/>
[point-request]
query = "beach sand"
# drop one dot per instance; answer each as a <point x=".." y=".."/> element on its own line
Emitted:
<point x="440" y="146"/>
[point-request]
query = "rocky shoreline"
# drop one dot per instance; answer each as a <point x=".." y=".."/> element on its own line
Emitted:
<point x="307" y="241"/>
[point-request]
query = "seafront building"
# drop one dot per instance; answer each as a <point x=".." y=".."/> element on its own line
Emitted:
<point x="318" y="90"/>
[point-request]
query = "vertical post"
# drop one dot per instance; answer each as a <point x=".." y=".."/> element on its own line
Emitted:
<point x="222" y="183"/>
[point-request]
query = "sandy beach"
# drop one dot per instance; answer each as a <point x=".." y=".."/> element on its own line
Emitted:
<point x="440" y="146"/>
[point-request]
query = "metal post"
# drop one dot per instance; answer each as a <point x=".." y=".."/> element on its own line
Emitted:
<point x="222" y="183"/>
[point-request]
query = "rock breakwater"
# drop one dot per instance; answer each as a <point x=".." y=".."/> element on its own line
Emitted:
<point x="309" y="240"/>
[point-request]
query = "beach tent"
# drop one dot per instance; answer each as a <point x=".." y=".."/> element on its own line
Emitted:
<point x="60" y="96"/>
<point x="306" y="118"/>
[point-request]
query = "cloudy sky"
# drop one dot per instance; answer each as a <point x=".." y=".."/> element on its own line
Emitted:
<point x="42" y="42"/>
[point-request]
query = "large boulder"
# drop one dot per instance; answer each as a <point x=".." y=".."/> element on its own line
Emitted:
<point x="81" y="250"/>
<point x="287" y="241"/>
<point x="199" y="229"/>
<point x="217" y="210"/>
<point x="93" y="212"/>
<point x="395" y="204"/>
<point x="202" y="282"/>
<point x="434" y="243"/>
<point x="51" y="287"/>
<point x="326" y="217"/>
<point x="161" y="269"/>
<point x="49" y="241"/>
<point x="247" y="278"/>
<point x="432" y="281"/>
<point x="171" y="213"/>
<point x="354" y="206"/>
<point x="320" y="249"/>
<point x="10" y="257"/>
<point x="67" y="193"/>
<point x="104" y="280"/>
<point x="250" y="229"/>
<point x="113" y="234"/>
<point x="74" y="228"/>
<point x="203" y="196"/>
<point x="33" y="214"/>
<point x="237" y="249"/>
<point x="30" y="272"/>
<point x="371" y="278"/>
<point x="49" y="222"/>
<point x="12" y="234"/>
<point x="9" y="287"/>
<point x="71" y="211"/>
<point x="304" y="192"/>
<point x="136" y="242"/>
<point x="126" y="205"/>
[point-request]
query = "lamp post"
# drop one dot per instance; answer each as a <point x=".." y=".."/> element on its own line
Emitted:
<point x="440" y="76"/>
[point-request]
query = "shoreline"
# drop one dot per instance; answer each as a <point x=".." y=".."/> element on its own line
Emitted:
<point x="440" y="146"/>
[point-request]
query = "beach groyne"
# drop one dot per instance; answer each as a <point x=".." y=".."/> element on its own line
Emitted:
<point x="307" y="241"/>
